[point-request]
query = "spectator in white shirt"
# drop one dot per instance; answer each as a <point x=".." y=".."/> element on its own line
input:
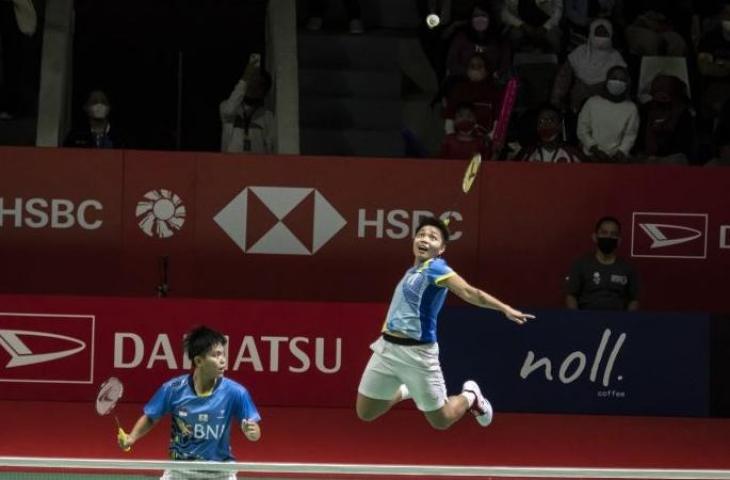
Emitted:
<point x="608" y="124"/>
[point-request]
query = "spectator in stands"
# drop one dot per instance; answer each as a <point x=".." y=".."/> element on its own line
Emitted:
<point x="481" y="35"/>
<point x="601" y="280"/>
<point x="248" y="126"/>
<point x="608" y="124"/>
<point x="549" y="145"/>
<point x="713" y="61"/>
<point x="18" y="21"/>
<point x="97" y="131"/>
<point x="667" y="127"/>
<point x="468" y="138"/>
<point x="584" y="72"/>
<point x="534" y="24"/>
<point x="318" y="7"/>
<point x="579" y="14"/>
<point x="658" y="27"/>
<point x="478" y="89"/>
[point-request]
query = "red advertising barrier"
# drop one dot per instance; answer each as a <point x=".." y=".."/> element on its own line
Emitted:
<point x="338" y="229"/>
<point x="286" y="353"/>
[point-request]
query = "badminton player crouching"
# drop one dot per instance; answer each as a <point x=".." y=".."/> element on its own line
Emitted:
<point x="202" y="405"/>
<point x="405" y="359"/>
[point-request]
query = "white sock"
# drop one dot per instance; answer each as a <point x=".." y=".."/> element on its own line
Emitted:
<point x="470" y="397"/>
<point x="405" y="394"/>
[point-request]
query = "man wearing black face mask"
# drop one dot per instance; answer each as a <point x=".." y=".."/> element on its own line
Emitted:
<point x="601" y="280"/>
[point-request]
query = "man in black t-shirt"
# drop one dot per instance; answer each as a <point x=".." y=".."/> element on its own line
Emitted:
<point x="601" y="280"/>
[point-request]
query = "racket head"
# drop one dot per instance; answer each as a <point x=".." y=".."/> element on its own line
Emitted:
<point x="109" y="394"/>
<point x="471" y="172"/>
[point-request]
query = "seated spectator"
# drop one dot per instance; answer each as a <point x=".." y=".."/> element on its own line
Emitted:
<point x="608" y="124"/>
<point x="658" y="27"/>
<point x="533" y="24"/>
<point x="18" y="22"/>
<point x="583" y="75"/>
<point x="97" y="131"/>
<point x="713" y="61"/>
<point x="480" y="36"/>
<point x="601" y="280"/>
<point x="468" y="137"/>
<point x="248" y="126"/>
<point x="667" y="127"/>
<point x="316" y="15"/>
<point x="549" y="145"/>
<point x="579" y="15"/>
<point x="478" y="89"/>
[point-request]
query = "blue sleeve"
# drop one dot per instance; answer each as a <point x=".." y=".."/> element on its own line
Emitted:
<point x="159" y="404"/>
<point x="245" y="408"/>
<point x="438" y="271"/>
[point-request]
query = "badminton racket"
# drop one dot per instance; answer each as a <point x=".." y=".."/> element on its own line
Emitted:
<point x="109" y="394"/>
<point x="499" y="137"/>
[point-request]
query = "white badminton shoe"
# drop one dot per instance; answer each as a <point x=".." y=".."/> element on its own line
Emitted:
<point x="481" y="408"/>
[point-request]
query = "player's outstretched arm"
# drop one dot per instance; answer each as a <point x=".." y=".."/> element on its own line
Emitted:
<point x="141" y="428"/>
<point x="251" y="430"/>
<point x="480" y="298"/>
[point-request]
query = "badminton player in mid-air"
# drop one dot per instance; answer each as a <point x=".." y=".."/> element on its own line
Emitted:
<point x="202" y="405"/>
<point x="405" y="359"/>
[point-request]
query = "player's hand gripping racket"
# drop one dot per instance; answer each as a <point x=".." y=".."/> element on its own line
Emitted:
<point x="499" y="138"/>
<point x="109" y="394"/>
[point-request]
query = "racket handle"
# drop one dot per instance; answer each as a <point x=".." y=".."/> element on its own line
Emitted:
<point x="122" y="439"/>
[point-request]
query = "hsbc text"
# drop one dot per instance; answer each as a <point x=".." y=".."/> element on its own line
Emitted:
<point x="399" y="224"/>
<point x="59" y="213"/>
<point x="295" y="354"/>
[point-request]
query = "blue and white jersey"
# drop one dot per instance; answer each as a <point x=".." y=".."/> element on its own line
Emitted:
<point x="201" y="425"/>
<point x="418" y="299"/>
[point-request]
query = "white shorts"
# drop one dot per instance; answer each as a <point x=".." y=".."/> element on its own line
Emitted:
<point x="417" y="366"/>
<point x="197" y="475"/>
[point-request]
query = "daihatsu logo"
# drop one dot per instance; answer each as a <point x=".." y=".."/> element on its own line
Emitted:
<point x="665" y="235"/>
<point x="22" y="355"/>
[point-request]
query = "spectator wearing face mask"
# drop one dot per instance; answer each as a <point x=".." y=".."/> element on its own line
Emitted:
<point x="478" y="89"/>
<point x="534" y="24"/>
<point x="608" y="124"/>
<point x="713" y="61"/>
<point x="548" y="146"/>
<point x="468" y="138"/>
<point x="584" y="72"/>
<point x="248" y="126"/>
<point x="668" y="130"/>
<point x="481" y="35"/>
<point x="97" y="132"/>
<point x="601" y="280"/>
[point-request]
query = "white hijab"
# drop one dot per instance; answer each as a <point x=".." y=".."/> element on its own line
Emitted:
<point x="591" y="64"/>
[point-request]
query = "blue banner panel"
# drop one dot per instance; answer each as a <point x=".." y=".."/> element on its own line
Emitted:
<point x="581" y="362"/>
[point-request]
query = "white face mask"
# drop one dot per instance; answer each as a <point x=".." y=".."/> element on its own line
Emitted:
<point x="99" y="111"/>
<point x="601" y="43"/>
<point x="616" y="87"/>
<point x="476" y="75"/>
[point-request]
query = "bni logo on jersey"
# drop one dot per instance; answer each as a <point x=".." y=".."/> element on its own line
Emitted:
<point x="46" y="348"/>
<point x="280" y="220"/>
<point x="669" y="235"/>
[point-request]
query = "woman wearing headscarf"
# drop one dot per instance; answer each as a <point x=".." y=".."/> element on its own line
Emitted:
<point x="584" y="73"/>
<point x="608" y="124"/>
<point x="667" y="133"/>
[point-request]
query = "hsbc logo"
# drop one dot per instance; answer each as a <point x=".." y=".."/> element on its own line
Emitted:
<point x="280" y="220"/>
<point x="669" y="235"/>
<point x="46" y="348"/>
